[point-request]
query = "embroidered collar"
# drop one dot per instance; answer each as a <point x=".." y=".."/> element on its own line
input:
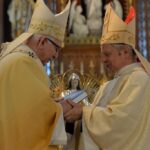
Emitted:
<point x="27" y="50"/>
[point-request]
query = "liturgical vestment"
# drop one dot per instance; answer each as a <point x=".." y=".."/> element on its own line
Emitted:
<point x="119" y="118"/>
<point x="28" y="115"/>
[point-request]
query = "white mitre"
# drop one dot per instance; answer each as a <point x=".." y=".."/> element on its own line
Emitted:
<point x="44" y="22"/>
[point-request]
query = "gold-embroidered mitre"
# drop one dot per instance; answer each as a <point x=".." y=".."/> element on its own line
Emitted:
<point x="115" y="30"/>
<point x="44" y="22"/>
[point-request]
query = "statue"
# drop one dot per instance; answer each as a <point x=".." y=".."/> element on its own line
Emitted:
<point x="77" y="22"/>
<point x="70" y="81"/>
<point x="94" y="16"/>
<point x="73" y="85"/>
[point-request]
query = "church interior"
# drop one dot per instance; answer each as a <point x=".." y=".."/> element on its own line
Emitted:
<point x="117" y="111"/>
<point x="82" y="48"/>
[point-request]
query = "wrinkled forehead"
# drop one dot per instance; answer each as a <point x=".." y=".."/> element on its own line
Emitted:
<point x="115" y="46"/>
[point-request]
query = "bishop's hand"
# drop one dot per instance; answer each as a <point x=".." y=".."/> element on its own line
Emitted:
<point x="75" y="113"/>
<point x="66" y="106"/>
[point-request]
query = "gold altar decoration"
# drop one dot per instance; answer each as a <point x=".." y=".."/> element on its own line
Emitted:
<point x="59" y="83"/>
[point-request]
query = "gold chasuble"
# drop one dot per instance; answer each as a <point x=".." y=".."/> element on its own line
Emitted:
<point x="28" y="115"/>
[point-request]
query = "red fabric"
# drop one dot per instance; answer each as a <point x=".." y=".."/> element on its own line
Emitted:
<point x="130" y="16"/>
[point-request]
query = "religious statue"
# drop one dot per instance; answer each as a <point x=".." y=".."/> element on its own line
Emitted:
<point x="70" y="81"/>
<point x="77" y="21"/>
<point x="94" y="16"/>
<point x="73" y="84"/>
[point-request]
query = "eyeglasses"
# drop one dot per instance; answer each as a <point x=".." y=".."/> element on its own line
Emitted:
<point x="58" y="48"/>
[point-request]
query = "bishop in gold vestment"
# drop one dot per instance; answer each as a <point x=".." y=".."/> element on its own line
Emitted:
<point x="28" y="114"/>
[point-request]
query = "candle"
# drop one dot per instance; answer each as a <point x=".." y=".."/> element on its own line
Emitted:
<point x="81" y="67"/>
<point x="101" y="68"/>
<point x="61" y="68"/>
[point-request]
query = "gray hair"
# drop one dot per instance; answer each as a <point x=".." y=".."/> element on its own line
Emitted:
<point x="120" y="46"/>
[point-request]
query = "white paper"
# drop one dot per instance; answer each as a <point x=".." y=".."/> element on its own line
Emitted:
<point x="76" y="96"/>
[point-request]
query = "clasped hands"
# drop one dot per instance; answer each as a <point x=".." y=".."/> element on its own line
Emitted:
<point x="72" y="111"/>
